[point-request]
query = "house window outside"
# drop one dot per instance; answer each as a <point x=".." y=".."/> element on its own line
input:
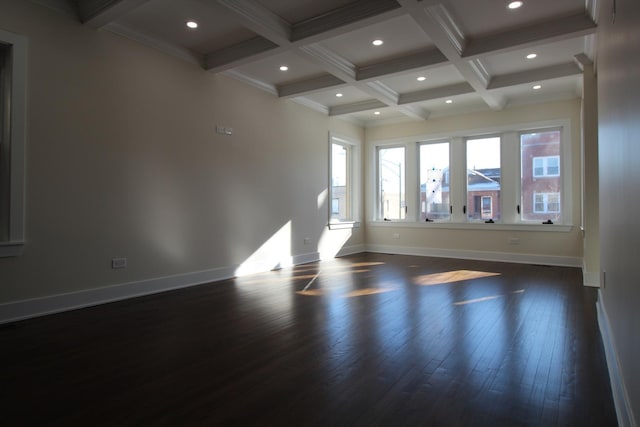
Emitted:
<point x="434" y="182"/>
<point x="483" y="178"/>
<point x="541" y="179"/>
<point x="546" y="166"/>
<point x="391" y="184"/>
<point x="546" y="202"/>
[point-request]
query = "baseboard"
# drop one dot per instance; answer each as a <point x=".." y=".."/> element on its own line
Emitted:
<point x="25" y="309"/>
<point x="620" y="396"/>
<point x="590" y="278"/>
<point x="479" y="255"/>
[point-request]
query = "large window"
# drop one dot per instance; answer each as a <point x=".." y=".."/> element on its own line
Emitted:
<point x="343" y="188"/>
<point x="434" y="182"/>
<point x="541" y="181"/>
<point x="483" y="178"/>
<point x="391" y="183"/>
<point x="12" y="134"/>
<point x="517" y="175"/>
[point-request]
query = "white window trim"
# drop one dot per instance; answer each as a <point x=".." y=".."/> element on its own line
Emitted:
<point x="409" y="190"/>
<point x="13" y="245"/>
<point x="510" y="163"/>
<point x="354" y="171"/>
<point x="453" y="187"/>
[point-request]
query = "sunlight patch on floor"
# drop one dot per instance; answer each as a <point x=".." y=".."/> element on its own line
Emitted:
<point x="451" y="277"/>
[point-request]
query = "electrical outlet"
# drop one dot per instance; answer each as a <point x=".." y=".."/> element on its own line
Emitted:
<point x="307" y="240"/>
<point x="395" y="236"/>
<point x="118" y="262"/>
<point x="514" y="241"/>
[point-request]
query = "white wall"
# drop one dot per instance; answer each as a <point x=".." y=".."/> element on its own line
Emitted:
<point x="618" y="68"/>
<point x="123" y="161"/>
<point x="564" y="248"/>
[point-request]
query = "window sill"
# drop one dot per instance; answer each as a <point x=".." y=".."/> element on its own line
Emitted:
<point x="343" y="225"/>
<point x="11" y="249"/>
<point x="474" y="226"/>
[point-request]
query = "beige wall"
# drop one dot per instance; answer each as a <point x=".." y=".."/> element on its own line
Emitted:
<point x="123" y="160"/>
<point x="562" y="246"/>
<point x="618" y="68"/>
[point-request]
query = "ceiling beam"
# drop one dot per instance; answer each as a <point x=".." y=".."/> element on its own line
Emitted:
<point x="553" y="30"/>
<point x="423" y="59"/>
<point x="240" y="54"/>
<point x="442" y="27"/>
<point x="356" y="107"/>
<point x="260" y="20"/>
<point x="536" y="75"/>
<point x="435" y="93"/>
<point x="308" y="86"/>
<point x="161" y="45"/>
<point x="343" y="16"/>
<point x="98" y="13"/>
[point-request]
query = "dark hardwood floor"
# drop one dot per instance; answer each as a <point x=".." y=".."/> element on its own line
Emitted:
<point x="366" y="340"/>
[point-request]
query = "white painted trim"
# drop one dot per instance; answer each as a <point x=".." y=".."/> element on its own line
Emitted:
<point x="13" y="311"/>
<point x="619" y="391"/>
<point x="563" y="261"/>
<point x="590" y="278"/>
<point x="25" y="309"/>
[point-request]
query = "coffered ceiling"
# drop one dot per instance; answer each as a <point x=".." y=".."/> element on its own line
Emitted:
<point x="470" y="55"/>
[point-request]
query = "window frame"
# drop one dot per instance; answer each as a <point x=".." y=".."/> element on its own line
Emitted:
<point x="564" y="173"/>
<point x="511" y="167"/>
<point x="482" y="219"/>
<point x="353" y="186"/>
<point x="377" y="214"/>
<point x="12" y="142"/>
<point x="447" y="179"/>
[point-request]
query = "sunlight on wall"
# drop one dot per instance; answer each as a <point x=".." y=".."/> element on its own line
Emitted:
<point x="332" y="241"/>
<point x="322" y="198"/>
<point x="274" y="253"/>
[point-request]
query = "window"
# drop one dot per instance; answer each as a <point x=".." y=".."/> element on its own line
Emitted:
<point x="541" y="181"/>
<point x="505" y="175"/>
<point x="12" y="133"/>
<point x="546" y="202"/>
<point x="546" y="166"/>
<point x="344" y="171"/>
<point x="434" y="182"/>
<point x="483" y="178"/>
<point x="391" y="185"/>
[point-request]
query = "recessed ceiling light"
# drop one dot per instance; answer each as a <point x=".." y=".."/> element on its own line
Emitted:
<point x="192" y="24"/>
<point x="536" y="87"/>
<point x="283" y="68"/>
<point x="421" y="78"/>
<point x="515" y="5"/>
<point x="449" y="101"/>
<point x="532" y="55"/>
<point x="377" y="113"/>
<point x="339" y="95"/>
<point x="377" y="42"/>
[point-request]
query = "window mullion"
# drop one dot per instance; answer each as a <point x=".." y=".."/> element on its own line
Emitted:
<point x="458" y="179"/>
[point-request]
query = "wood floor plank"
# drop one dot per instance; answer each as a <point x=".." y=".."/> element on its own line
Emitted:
<point x="369" y="339"/>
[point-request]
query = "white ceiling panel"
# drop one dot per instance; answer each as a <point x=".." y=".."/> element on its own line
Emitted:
<point x="165" y="20"/>
<point x="434" y="77"/>
<point x="400" y="35"/>
<point x="547" y="54"/>
<point x="482" y="18"/>
<point x="472" y="52"/>
<point x="268" y="70"/>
